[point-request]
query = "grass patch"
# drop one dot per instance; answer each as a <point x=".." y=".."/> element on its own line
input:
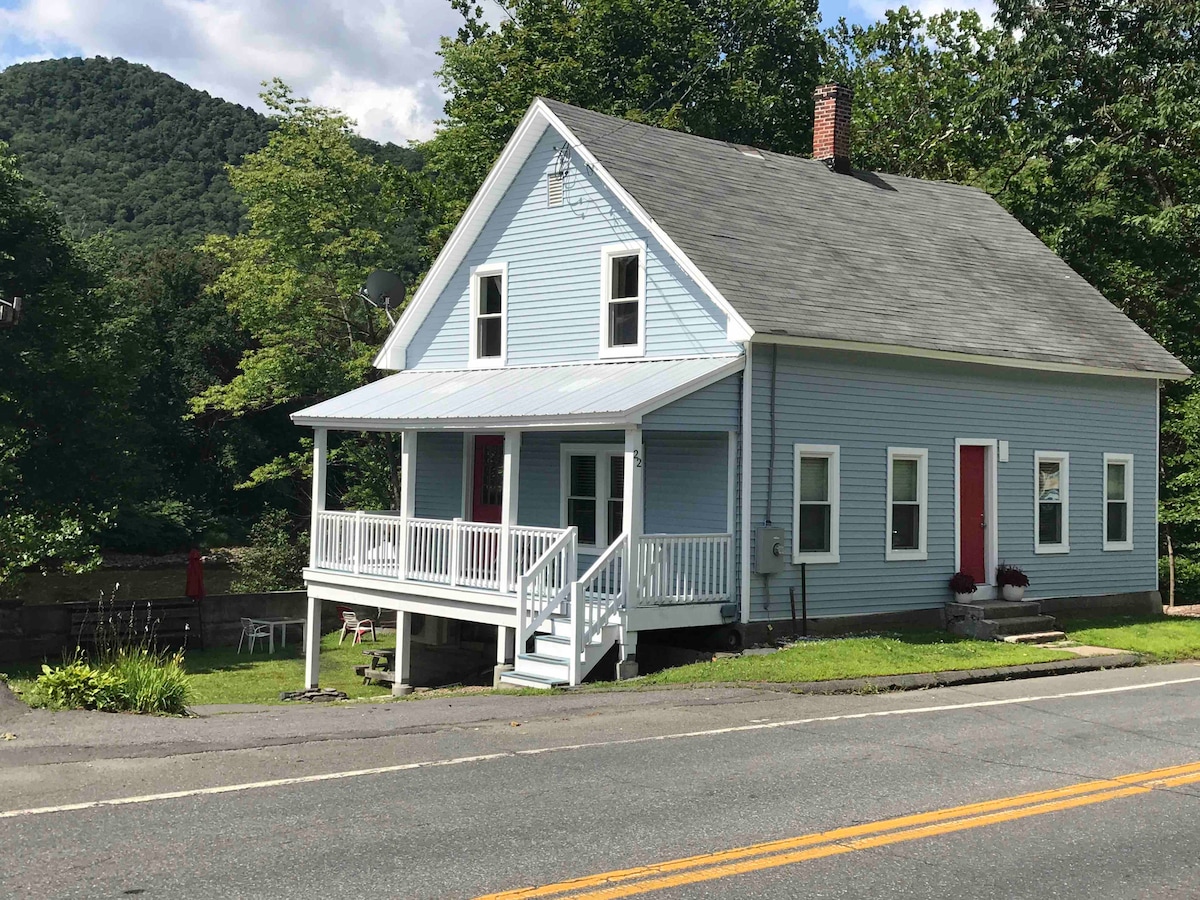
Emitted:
<point x="859" y="657"/>
<point x="1162" y="638"/>
<point x="226" y="676"/>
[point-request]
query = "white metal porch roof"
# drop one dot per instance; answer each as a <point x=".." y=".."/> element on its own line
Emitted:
<point x="615" y="393"/>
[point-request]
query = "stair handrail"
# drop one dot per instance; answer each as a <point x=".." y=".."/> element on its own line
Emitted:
<point x="591" y="608"/>
<point x="548" y="581"/>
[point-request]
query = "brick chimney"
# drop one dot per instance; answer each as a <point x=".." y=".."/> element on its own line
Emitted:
<point x="831" y="126"/>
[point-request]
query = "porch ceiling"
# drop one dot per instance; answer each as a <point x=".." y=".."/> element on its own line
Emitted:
<point x="599" y="394"/>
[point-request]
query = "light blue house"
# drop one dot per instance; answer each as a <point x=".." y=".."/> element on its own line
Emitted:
<point x="657" y="381"/>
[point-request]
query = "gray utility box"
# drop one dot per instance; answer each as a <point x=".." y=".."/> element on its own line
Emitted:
<point x="770" y="555"/>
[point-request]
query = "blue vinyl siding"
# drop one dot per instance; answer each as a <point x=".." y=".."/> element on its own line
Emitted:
<point x="686" y="483"/>
<point x="708" y="409"/>
<point x="553" y="256"/>
<point x="866" y="403"/>
<point x="439" y="475"/>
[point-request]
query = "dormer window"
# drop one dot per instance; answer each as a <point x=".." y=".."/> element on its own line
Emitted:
<point x="489" y="306"/>
<point x="623" y="301"/>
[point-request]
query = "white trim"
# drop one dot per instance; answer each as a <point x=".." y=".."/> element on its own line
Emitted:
<point x="478" y="273"/>
<point x="955" y="356"/>
<point x="635" y="413"/>
<point x="518" y="149"/>
<point x="1064" y="488"/>
<point x="921" y="455"/>
<point x="725" y="354"/>
<point x="603" y="453"/>
<point x="608" y="253"/>
<point x="1157" y="469"/>
<point x="833" y="453"/>
<point x="747" y="473"/>
<point x="1126" y="460"/>
<point x="731" y="485"/>
<point x="991" y="539"/>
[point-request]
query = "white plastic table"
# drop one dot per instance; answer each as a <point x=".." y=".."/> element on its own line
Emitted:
<point x="283" y="622"/>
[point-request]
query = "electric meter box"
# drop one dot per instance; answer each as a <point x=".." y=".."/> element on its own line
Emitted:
<point x="770" y="555"/>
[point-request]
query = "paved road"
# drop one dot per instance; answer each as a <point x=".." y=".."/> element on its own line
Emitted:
<point x="487" y="795"/>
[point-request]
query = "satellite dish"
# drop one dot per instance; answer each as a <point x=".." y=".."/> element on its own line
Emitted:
<point x="384" y="290"/>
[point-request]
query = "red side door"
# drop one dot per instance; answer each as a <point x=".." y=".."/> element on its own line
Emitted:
<point x="487" y="501"/>
<point x="972" y="509"/>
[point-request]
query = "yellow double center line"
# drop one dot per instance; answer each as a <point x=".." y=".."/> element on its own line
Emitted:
<point x="772" y="854"/>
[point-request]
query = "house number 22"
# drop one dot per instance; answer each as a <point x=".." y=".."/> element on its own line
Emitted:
<point x="637" y="458"/>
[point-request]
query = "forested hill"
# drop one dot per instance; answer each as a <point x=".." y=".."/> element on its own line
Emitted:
<point x="120" y="146"/>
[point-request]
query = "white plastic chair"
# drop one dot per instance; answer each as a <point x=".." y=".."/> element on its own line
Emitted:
<point x="253" y="632"/>
<point x="351" y="623"/>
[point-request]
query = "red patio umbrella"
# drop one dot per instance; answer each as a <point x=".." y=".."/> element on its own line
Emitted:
<point x="195" y="576"/>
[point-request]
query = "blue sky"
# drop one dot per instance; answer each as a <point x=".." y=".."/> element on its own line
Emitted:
<point x="374" y="59"/>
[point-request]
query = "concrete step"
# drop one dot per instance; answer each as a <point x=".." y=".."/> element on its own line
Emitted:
<point x="1019" y="625"/>
<point x="539" y="664"/>
<point x="521" y="679"/>
<point x="993" y="609"/>
<point x="1034" y="637"/>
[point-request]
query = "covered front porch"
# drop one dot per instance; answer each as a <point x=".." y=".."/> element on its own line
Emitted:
<point x="564" y="538"/>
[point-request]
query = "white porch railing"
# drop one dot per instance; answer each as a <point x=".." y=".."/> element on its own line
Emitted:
<point x="683" y="568"/>
<point x="597" y="598"/>
<point x="452" y="553"/>
<point x="542" y="590"/>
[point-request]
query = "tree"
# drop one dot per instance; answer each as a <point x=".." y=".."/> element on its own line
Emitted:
<point x="322" y="216"/>
<point x="738" y="70"/>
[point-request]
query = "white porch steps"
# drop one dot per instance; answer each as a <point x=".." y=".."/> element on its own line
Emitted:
<point x="549" y="665"/>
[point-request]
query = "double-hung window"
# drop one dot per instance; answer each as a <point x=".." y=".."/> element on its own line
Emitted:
<point x="1118" y="501"/>
<point x="816" y="504"/>
<point x="623" y="299"/>
<point x="1051" y="505"/>
<point x="907" y="503"/>
<point x="489" y="312"/>
<point x="593" y="492"/>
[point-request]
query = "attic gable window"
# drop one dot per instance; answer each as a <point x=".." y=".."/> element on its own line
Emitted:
<point x="622" y="299"/>
<point x="489" y="313"/>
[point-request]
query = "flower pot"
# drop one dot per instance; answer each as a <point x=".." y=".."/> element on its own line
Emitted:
<point x="1012" y="592"/>
<point x="963" y="598"/>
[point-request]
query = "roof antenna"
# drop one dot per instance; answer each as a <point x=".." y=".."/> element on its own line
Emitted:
<point x="384" y="290"/>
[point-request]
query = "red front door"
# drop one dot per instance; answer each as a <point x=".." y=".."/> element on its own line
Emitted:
<point x="972" y="511"/>
<point x="487" y="499"/>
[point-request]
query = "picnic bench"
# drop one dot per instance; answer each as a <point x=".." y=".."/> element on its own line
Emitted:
<point x="171" y="623"/>
<point x="380" y="669"/>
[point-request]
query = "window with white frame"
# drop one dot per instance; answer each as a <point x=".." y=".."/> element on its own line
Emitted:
<point x="907" y="503"/>
<point x="622" y="299"/>
<point x="816" y="504"/>
<point x="489" y="301"/>
<point x="593" y="492"/>
<point x="1051" y="507"/>
<point x="1118" y="501"/>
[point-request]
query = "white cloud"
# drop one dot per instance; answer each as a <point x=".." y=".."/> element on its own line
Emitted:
<point x="373" y="59"/>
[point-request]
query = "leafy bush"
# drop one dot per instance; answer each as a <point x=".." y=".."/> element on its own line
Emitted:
<point x="157" y="527"/>
<point x="274" y="558"/>
<point x="1187" y="580"/>
<point x="77" y="685"/>
<point x="151" y="682"/>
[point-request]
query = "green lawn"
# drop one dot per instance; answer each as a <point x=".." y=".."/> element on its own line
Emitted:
<point x="1162" y="638"/>
<point x="855" y="657"/>
<point x="225" y="676"/>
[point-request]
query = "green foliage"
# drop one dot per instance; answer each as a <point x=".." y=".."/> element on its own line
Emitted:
<point x="274" y="558"/>
<point x="150" y="681"/>
<point x="77" y="685"/>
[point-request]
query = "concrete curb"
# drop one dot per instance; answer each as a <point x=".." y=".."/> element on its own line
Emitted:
<point x="914" y="682"/>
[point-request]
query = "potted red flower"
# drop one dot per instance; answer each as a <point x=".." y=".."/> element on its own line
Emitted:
<point x="1012" y="582"/>
<point x="963" y="586"/>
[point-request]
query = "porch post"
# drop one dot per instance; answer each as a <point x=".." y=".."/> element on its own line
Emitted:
<point x="320" y="459"/>
<point x="508" y="515"/>
<point x="408" y="494"/>
<point x="312" y="643"/>
<point x="403" y="685"/>
<point x="633" y="509"/>
<point x="506" y="652"/>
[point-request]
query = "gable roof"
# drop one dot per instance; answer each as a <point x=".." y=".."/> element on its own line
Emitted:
<point x="866" y="261"/>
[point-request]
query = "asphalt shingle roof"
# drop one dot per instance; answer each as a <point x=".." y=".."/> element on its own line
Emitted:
<point x="879" y="259"/>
